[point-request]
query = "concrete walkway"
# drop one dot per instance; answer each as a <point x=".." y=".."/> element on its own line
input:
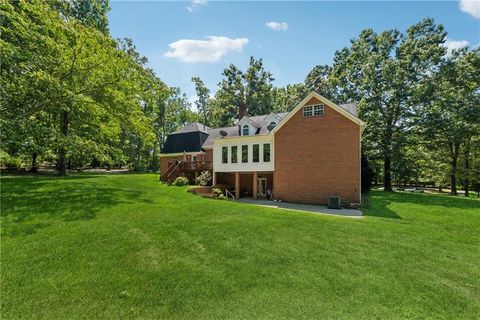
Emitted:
<point x="317" y="209"/>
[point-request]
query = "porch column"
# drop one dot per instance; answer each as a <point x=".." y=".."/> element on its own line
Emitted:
<point x="255" y="185"/>
<point x="237" y="185"/>
<point x="214" y="178"/>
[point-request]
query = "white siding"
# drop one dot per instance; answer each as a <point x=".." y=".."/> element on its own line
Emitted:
<point x="249" y="166"/>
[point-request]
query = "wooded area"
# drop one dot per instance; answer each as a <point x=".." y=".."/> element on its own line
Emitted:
<point x="73" y="96"/>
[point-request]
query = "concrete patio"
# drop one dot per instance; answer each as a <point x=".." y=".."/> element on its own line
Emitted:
<point x="316" y="209"/>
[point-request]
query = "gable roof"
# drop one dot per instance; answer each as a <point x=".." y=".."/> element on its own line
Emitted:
<point x="321" y="98"/>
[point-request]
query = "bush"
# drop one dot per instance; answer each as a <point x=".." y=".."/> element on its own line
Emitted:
<point x="204" y="178"/>
<point x="217" y="193"/>
<point x="180" y="181"/>
<point x="367" y="175"/>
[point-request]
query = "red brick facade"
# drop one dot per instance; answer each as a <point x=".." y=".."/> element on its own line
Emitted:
<point x="316" y="157"/>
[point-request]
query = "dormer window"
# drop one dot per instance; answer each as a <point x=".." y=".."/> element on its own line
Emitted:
<point x="273" y="124"/>
<point x="245" y="130"/>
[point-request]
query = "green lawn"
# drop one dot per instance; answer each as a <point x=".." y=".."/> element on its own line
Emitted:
<point x="125" y="246"/>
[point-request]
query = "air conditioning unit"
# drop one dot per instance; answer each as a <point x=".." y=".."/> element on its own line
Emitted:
<point x="334" y="202"/>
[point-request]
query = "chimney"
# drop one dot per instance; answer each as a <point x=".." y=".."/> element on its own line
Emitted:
<point x="242" y="111"/>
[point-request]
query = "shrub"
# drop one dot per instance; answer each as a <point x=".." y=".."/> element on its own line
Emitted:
<point x="222" y="197"/>
<point x="217" y="193"/>
<point x="180" y="181"/>
<point x="367" y="175"/>
<point x="204" y="178"/>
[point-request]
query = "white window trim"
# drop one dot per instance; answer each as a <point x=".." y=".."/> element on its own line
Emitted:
<point x="314" y="110"/>
<point x="246" y="126"/>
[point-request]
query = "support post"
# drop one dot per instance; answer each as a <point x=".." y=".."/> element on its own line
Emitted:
<point x="255" y="185"/>
<point x="214" y="178"/>
<point x="237" y="185"/>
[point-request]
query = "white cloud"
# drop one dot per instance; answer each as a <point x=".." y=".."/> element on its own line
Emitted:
<point x="277" y="26"/>
<point x="196" y="4"/>
<point x="211" y="50"/>
<point x="451" y="45"/>
<point x="472" y="7"/>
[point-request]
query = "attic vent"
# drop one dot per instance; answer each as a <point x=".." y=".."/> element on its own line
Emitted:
<point x="271" y="126"/>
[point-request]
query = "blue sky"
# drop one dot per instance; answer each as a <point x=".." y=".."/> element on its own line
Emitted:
<point x="299" y="35"/>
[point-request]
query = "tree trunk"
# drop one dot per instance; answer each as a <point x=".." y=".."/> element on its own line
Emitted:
<point x="454" y="148"/>
<point x="34" y="168"/>
<point x="61" y="161"/>
<point x="387" y="175"/>
<point x="466" y="181"/>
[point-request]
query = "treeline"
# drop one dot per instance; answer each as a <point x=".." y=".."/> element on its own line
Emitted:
<point x="73" y="96"/>
<point x="421" y="103"/>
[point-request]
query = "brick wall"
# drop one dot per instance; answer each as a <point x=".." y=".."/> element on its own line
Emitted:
<point x="316" y="157"/>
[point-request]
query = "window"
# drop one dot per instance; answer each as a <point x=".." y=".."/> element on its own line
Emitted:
<point x="308" y="111"/>
<point x="314" y="110"/>
<point x="256" y="153"/>
<point x="273" y="124"/>
<point x="266" y="152"/>
<point x="233" y="154"/>
<point x="224" y="154"/>
<point x="245" y="153"/>
<point x="318" y="110"/>
<point x="245" y="130"/>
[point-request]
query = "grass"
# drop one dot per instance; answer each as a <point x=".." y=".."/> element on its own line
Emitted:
<point x="125" y="246"/>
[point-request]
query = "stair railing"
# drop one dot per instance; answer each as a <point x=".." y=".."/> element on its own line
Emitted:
<point x="174" y="169"/>
<point x="229" y="194"/>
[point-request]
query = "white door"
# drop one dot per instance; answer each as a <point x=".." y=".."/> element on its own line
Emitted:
<point x="262" y="186"/>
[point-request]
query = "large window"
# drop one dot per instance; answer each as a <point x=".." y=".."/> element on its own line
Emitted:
<point x="314" y="110"/>
<point x="256" y="153"/>
<point x="266" y="152"/>
<point x="233" y="154"/>
<point x="245" y="153"/>
<point x="245" y="130"/>
<point x="224" y="154"/>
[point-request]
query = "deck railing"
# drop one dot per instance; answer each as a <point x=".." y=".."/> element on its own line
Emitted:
<point x="198" y="165"/>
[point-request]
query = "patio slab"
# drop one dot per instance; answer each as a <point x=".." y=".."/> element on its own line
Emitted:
<point x="311" y="208"/>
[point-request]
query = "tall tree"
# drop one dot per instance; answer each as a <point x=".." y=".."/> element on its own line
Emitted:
<point x="284" y="99"/>
<point x="382" y="72"/>
<point x="203" y="97"/>
<point x="451" y="117"/>
<point x="239" y="90"/>
<point x="320" y="81"/>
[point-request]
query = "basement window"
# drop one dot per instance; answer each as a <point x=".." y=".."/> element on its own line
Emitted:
<point x="224" y="154"/>
<point x="313" y="110"/>
<point x="233" y="154"/>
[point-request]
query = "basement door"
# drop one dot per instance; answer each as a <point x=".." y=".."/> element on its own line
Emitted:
<point x="261" y="186"/>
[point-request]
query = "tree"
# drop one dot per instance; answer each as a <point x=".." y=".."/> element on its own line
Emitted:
<point x="74" y="91"/>
<point x="92" y="13"/>
<point x="451" y="117"/>
<point x="382" y="72"/>
<point x="251" y="90"/>
<point x="286" y="98"/>
<point x="203" y="97"/>
<point x="319" y="80"/>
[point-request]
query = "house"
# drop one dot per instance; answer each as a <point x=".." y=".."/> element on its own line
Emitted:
<point x="305" y="155"/>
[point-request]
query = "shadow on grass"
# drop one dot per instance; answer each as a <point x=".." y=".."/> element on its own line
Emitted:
<point x="379" y="202"/>
<point x="30" y="203"/>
